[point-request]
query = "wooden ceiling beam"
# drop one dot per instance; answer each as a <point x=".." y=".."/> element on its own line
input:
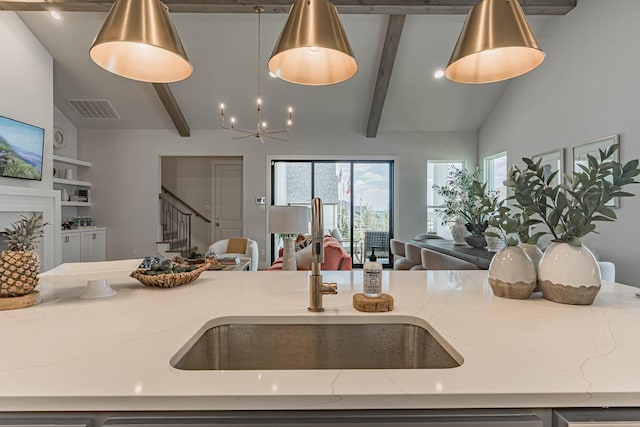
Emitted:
<point x="387" y="59"/>
<point x="387" y="7"/>
<point x="171" y="105"/>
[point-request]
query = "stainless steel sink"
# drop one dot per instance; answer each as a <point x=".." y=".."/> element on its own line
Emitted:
<point x="345" y="342"/>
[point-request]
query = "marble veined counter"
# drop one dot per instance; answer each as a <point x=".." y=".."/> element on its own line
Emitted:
<point x="113" y="354"/>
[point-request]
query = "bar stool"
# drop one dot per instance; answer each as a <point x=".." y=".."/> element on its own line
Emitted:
<point x="400" y="262"/>
<point x="413" y="255"/>
<point x="432" y="260"/>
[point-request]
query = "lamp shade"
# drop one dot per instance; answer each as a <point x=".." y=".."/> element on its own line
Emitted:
<point x="289" y="219"/>
<point x="313" y="48"/>
<point x="139" y="42"/>
<point x="496" y="43"/>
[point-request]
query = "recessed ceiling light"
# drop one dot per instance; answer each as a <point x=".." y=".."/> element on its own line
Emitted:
<point x="55" y="15"/>
<point x="438" y="74"/>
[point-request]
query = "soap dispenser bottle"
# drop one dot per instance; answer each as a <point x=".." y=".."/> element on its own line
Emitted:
<point x="372" y="275"/>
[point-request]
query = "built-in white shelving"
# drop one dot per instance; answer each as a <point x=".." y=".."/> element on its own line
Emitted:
<point x="71" y="182"/>
<point x="71" y="161"/>
<point x="76" y="204"/>
<point x="77" y="168"/>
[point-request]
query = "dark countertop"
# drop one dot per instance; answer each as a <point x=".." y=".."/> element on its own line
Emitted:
<point x="480" y="257"/>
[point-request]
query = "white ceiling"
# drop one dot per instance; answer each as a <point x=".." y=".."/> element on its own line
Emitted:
<point x="223" y="51"/>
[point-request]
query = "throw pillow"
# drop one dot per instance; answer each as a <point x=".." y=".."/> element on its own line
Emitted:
<point x="237" y="246"/>
<point x="336" y="233"/>
<point x="303" y="243"/>
<point x="304" y="258"/>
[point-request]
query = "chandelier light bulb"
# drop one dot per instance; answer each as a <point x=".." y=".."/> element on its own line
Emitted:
<point x="290" y="110"/>
<point x="259" y="101"/>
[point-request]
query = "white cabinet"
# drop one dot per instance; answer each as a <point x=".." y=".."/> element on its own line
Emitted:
<point x="93" y="245"/>
<point x="70" y="246"/>
<point x="72" y="184"/>
<point x="84" y="245"/>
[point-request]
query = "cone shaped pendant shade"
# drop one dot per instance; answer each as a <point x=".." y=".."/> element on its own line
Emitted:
<point x="313" y="48"/>
<point x="138" y="41"/>
<point x="495" y="44"/>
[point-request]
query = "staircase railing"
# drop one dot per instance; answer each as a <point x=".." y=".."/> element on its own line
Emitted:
<point x="185" y="204"/>
<point x="176" y="226"/>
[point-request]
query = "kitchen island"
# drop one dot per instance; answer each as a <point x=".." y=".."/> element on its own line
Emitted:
<point x="113" y="354"/>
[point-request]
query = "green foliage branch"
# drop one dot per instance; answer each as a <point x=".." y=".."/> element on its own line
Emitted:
<point x="571" y="209"/>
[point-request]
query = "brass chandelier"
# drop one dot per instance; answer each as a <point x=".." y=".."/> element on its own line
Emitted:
<point x="261" y="132"/>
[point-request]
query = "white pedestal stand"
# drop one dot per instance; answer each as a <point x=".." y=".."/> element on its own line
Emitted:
<point x="289" y="255"/>
<point x="98" y="289"/>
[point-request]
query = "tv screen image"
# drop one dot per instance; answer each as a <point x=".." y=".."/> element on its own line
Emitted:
<point x="21" y="148"/>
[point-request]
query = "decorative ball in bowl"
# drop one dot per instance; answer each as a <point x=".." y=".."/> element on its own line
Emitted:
<point x="167" y="274"/>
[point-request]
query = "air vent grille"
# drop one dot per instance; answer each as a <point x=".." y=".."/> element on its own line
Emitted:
<point x="93" y="108"/>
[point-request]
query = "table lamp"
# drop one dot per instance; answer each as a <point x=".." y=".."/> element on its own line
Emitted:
<point x="288" y="221"/>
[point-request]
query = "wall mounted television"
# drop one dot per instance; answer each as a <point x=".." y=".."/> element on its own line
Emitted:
<point x="21" y="149"/>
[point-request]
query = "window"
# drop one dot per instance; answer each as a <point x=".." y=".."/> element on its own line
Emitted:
<point x="437" y="172"/>
<point x="356" y="196"/>
<point x="495" y="172"/>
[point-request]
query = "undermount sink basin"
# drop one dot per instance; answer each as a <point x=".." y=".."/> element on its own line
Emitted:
<point x="345" y="342"/>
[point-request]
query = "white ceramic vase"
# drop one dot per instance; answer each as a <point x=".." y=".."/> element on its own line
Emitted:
<point x="458" y="232"/>
<point x="534" y="253"/>
<point x="511" y="274"/>
<point x="569" y="274"/>
<point x="494" y="244"/>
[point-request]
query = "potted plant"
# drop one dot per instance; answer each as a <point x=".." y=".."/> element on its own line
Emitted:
<point x="511" y="272"/>
<point x="568" y="272"/>
<point x="521" y="226"/>
<point x="19" y="264"/>
<point x="466" y="198"/>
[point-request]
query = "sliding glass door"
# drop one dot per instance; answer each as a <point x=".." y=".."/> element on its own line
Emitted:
<point x="357" y="198"/>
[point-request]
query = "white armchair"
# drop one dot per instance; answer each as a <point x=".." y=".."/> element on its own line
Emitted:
<point x="220" y="249"/>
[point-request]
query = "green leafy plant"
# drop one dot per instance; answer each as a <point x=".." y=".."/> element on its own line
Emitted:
<point x="571" y="209"/>
<point x="510" y="225"/>
<point x="466" y="197"/>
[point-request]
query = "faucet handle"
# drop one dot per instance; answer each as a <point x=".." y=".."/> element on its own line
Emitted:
<point x="330" y="288"/>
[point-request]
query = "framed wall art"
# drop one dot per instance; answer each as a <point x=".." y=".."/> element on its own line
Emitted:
<point x="552" y="161"/>
<point x="580" y="153"/>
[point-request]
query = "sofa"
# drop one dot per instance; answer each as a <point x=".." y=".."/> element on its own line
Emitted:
<point x="335" y="257"/>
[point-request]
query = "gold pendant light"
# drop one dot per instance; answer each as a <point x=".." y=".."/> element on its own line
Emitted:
<point x="496" y="43"/>
<point x="313" y="48"/>
<point x="139" y="42"/>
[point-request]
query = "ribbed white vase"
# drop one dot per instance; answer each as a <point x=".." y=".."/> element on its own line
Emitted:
<point x="494" y="244"/>
<point x="568" y="274"/>
<point x="511" y="274"/>
<point x="458" y="232"/>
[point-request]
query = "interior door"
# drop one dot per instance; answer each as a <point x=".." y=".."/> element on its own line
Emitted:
<point x="227" y="197"/>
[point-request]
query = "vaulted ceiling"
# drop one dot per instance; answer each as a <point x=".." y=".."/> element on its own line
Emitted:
<point x="221" y="42"/>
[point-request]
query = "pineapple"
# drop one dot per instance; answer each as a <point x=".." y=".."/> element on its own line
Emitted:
<point x="19" y="264"/>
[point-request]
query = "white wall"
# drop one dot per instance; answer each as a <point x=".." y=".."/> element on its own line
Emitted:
<point x="26" y="85"/>
<point x="587" y="88"/>
<point x="126" y="176"/>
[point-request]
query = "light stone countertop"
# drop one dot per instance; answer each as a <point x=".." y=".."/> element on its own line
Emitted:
<point x="113" y="354"/>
